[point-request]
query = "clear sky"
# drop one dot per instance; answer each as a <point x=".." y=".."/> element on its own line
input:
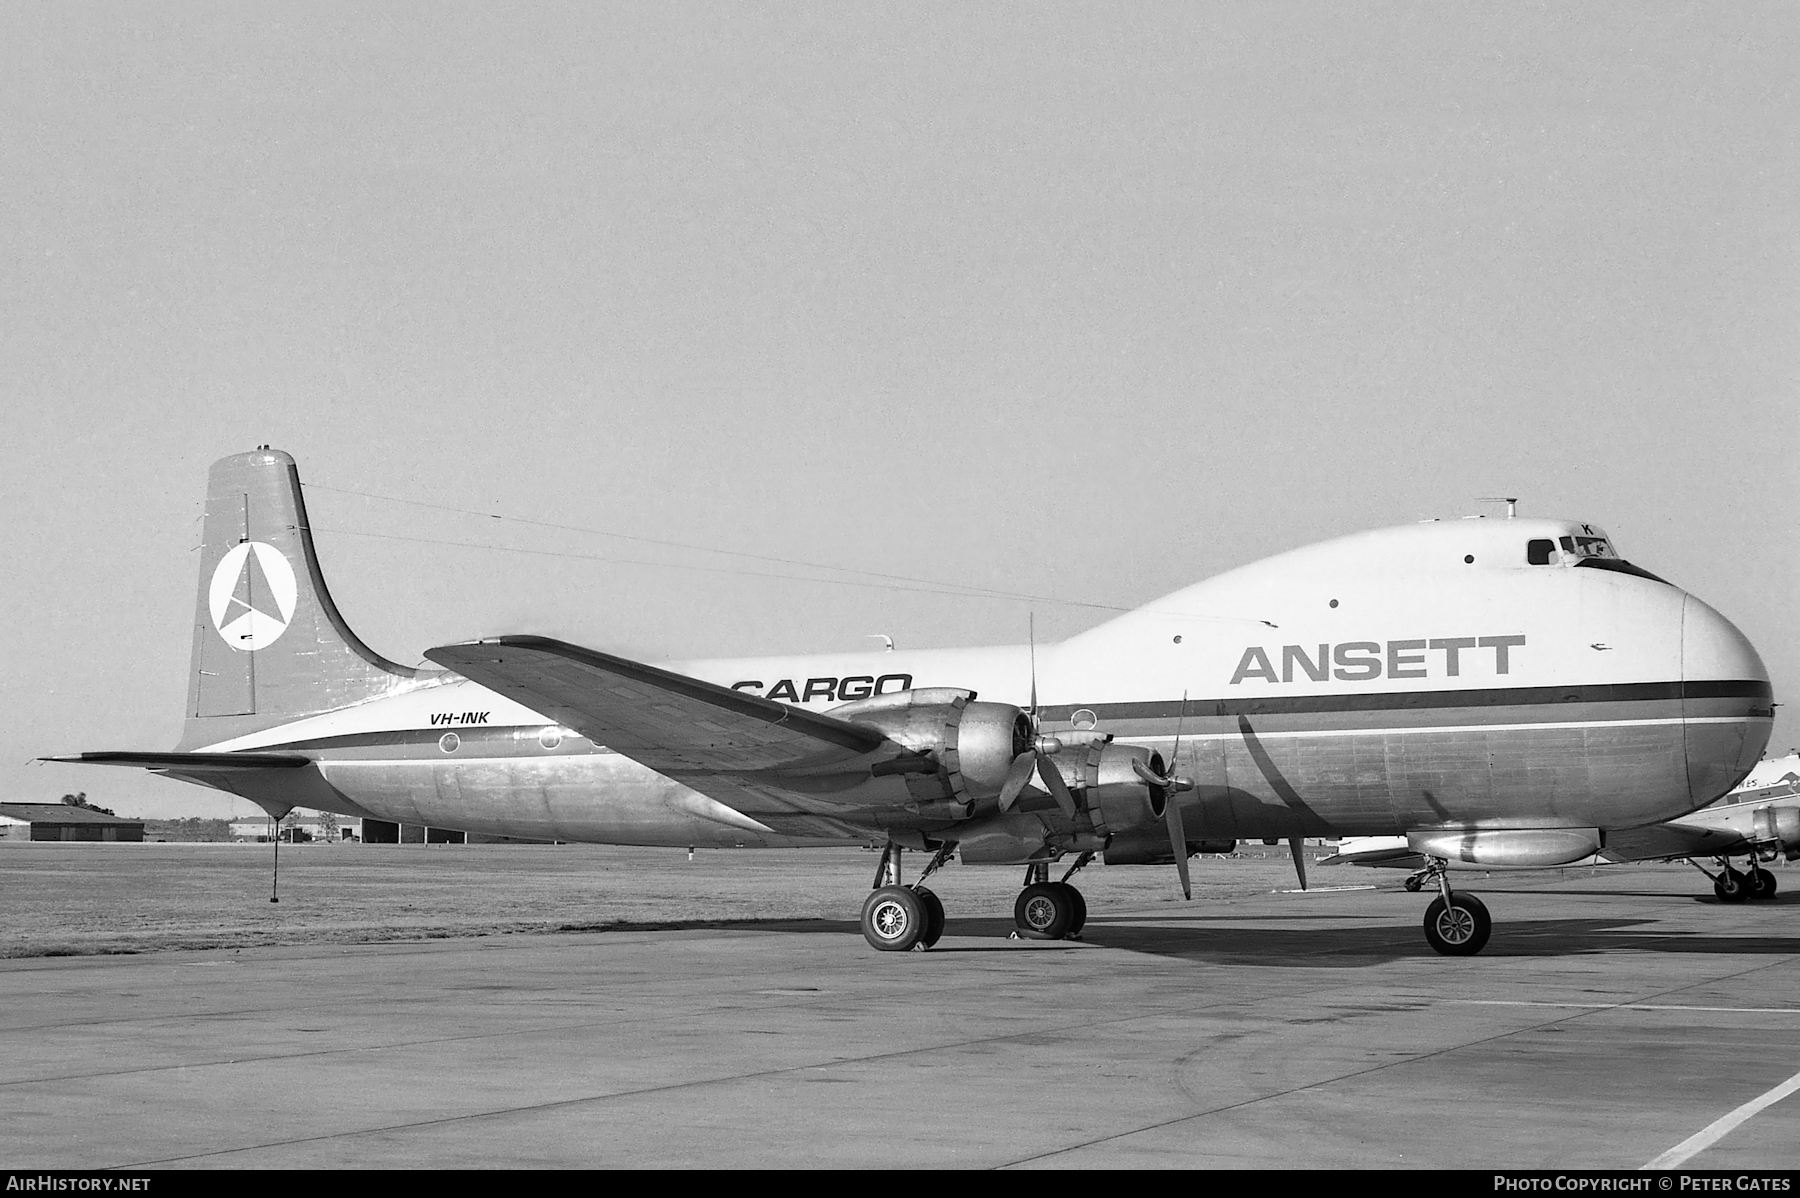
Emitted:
<point x="1079" y="301"/>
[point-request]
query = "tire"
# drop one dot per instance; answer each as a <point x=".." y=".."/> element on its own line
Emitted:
<point x="893" y="919"/>
<point x="1079" y="920"/>
<point x="934" y="916"/>
<point x="1413" y="884"/>
<point x="1044" y="911"/>
<point x="1731" y="886"/>
<point x="1761" y="883"/>
<point x="1459" y="928"/>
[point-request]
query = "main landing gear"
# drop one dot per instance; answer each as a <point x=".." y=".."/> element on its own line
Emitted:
<point x="896" y="918"/>
<point x="1048" y="910"/>
<point x="1457" y="925"/>
<point x="1733" y="886"/>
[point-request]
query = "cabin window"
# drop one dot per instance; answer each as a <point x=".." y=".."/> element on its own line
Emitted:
<point x="1540" y="552"/>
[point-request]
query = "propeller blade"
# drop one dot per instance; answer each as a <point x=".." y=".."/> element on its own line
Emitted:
<point x="1295" y="846"/>
<point x="1016" y="778"/>
<point x="1175" y="750"/>
<point x="1178" y="842"/>
<point x="1053" y="780"/>
<point x="1032" y="635"/>
<point x="1147" y="774"/>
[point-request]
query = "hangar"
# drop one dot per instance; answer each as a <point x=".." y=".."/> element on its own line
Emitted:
<point x="61" y="821"/>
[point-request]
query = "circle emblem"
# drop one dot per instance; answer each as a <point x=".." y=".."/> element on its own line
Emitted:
<point x="252" y="596"/>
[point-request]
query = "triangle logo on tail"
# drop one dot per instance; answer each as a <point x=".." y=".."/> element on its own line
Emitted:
<point x="252" y="596"/>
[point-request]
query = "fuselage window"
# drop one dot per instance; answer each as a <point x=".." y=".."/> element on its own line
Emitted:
<point x="1539" y="553"/>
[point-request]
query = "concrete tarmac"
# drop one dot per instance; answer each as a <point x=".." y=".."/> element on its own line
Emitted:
<point x="1611" y="1018"/>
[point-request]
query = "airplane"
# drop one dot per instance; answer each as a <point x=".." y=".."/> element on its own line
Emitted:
<point x="1497" y="691"/>
<point x="1759" y="820"/>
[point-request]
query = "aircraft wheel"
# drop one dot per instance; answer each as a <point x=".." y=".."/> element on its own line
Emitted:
<point x="1079" y="921"/>
<point x="1731" y="886"/>
<point x="1413" y="883"/>
<point x="893" y="919"/>
<point x="1459" y="928"/>
<point x="934" y="916"/>
<point x="1761" y="883"/>
<point x="1044" y="910"/>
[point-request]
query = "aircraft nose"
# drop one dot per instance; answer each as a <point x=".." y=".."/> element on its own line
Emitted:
<point x="1727" y="706"/>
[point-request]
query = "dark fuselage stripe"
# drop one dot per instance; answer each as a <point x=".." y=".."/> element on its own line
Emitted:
<point x="1519" y="696"/>
<point x="1541" y="702"/>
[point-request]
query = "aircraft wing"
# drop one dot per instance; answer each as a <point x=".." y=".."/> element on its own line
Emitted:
<point x="707" y="736"/>
<point x="1677" y="838"/>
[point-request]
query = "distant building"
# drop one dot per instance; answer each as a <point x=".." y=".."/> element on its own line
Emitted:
<point x="313" y="826"/>
<point x="63" y="821"/>
<point x="310" y="825"/>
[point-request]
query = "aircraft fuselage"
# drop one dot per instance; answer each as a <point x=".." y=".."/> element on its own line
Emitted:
<point x="1429" y="675"/>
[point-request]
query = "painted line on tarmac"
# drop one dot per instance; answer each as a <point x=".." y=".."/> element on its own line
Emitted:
<point x="1627" y="1006"/>
<point x="1717" y="1130"/>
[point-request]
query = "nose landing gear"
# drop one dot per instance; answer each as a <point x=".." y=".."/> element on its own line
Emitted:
<point x="1457" y="925"/>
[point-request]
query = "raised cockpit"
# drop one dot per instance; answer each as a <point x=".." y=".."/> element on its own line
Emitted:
<point x="1582" y="545"/>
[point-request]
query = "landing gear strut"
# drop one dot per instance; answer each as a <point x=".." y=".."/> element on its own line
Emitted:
<point x="1048" y="910"/>
<point x="1457" y="925"/>
<point x="896" y="918"/>
<point x="1731" y="886"/>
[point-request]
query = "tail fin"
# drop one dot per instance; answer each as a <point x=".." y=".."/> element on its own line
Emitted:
<point x="269" y="645"/>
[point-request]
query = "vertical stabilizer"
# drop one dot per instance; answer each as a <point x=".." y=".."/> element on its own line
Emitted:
<point x="269" y="645"/>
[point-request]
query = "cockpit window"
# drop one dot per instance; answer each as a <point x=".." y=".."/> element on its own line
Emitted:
<point x="1539" y="552"/>
<point x="1589" y="547"/>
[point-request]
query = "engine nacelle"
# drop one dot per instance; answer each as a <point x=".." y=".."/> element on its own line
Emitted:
<point x="1150" y="846"/>
<point x="1780" y="825"/>
<point x="960" y="750"/>
<point x="1123" y="799"/>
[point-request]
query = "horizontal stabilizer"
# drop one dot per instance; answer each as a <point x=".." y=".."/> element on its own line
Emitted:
<point x="189" y="762"/>
<point x="1390" y="852"/>
<point x="1401" y="859"/>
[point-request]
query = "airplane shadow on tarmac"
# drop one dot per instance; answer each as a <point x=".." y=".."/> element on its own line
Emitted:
<point x="1263" y="941"/>
<point x="1351" y="947"/>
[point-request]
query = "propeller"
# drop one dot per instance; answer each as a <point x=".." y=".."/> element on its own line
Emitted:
<point x="1037" y="755"/>
<point x="1172" y="784"/>
<point x="1296" y="847"/>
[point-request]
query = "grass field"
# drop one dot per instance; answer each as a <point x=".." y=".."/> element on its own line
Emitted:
<point x="63" y="899"/>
